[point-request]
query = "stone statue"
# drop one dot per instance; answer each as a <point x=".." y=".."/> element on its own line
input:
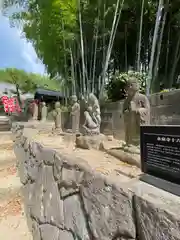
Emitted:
<point x="43" y="111"/>
<point x="75" y="114"/>
<point x="57" y="116"/>
<point x="83" y="107"/>
<point x="136" y="111"/>
<point x="35" y="110"/>
<point x="92" y="116"/>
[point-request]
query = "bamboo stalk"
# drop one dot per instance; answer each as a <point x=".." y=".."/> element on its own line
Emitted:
<point x="140" y="37"/>
<point x="151" y="64"/>
<point x="159" y="48"/>
<point x="82" y="49"/>
<point x="111" y="41"/>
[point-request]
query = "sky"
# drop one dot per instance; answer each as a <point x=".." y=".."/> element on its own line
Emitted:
<point x="15" y="51"/>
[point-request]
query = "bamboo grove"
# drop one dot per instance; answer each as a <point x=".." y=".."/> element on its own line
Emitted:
<point x="85" y="42"/>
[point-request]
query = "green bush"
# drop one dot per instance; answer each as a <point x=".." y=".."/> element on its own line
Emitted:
<point x="116" y="87"/>
<point x="167" y="90"/>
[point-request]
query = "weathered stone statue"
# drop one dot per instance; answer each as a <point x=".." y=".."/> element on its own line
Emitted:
<point x="75" y="114"/>
<point x="43" y="111"/>
<point x="91" y="137"/>
<point x="57" y="117"/>
<point x="136" y="111"/>
<point x="92" y="116"/>
<point x="35" y="110"/>
<point x="83" y="107"/>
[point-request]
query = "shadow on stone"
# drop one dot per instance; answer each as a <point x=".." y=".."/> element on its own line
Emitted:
<point x="160" y="183"/>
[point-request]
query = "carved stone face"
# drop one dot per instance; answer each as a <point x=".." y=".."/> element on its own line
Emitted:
<point x="92" y="98"/>
<point x="43" y="104"/>
<point x="73" y="98"/>
<point x="57" y="105"/>
<point x="132" y="86"/>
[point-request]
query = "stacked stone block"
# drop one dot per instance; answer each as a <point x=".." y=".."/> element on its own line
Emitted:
<point x="66" y="200"/>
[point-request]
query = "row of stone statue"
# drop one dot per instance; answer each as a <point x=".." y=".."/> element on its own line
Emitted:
<point x="136" y="112"/>
<point x="92" y="116"/>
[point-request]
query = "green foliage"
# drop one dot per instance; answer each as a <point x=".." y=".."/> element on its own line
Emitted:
<point x="27" y="82"/>
<point x="116" y="87"/>
<point x="54" y="29"/>
<point x="167" y="90"/>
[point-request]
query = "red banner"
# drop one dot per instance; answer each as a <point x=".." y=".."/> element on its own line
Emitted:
<point x="10" y="104"/>
<point x="5" y="101"/>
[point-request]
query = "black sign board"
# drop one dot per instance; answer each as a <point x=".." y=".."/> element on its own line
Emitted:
<point x="160" y="152"/>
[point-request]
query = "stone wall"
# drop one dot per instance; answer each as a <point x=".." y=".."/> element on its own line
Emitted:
<point x="165" y="110"/>
<point x="66" y="200"/>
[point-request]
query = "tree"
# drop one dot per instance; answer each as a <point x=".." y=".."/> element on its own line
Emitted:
<point x="116" y="88"/>
<point x="27" y="82"/>
<point x="73" y="40"/>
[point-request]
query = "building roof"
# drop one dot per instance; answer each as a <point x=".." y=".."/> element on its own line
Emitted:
<point x="47" y="93"/>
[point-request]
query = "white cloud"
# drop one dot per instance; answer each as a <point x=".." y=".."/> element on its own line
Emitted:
<point x="15" y="51"/>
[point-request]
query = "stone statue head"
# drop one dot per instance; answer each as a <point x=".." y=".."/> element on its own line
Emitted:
<point x="43" y="104"/>
<point x="74" y="98"/>
<point x="92" y="98"/>
<point x="57" y="105"/>
<point x="132" y="86"/>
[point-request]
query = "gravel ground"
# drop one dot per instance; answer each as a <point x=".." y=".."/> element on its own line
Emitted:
<point x="13" y="224"/>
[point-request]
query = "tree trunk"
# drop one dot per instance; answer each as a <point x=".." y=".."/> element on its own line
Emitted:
<point x="125" y="48"/>
<point x="18" y="94"/>
<point x="73" y="74"/>
<point x="174" y="65"/>
<point x="111" y="41"/>
<point x="82" y="49"/>
<point x="167" y="57"/>
<point x="154" y="81"/>
<point x="140" y="37"/>
<point x="155" y="37"/>
<point x="95" y="51"/>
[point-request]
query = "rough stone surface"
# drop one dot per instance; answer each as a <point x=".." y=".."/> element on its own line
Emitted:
<point x="53" y="205"/>
<point x="48" y="156"/>
<point x="49" y="232"/>
<point x="157" y="214"/>
<point x="35" y="231"/>
<point x="109" y="208"/>
<point x="57" y="167"/>
<point x="89" y="142"/>
<point x="37" y="208"/>
<point x="70" y="180"/>
<point x="133" y="159"/>
<point x="65" y="235"/>
<point x="66" y="200"/>
<point x="75" y="218"/>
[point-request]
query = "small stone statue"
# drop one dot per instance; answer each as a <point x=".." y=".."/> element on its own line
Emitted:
<point x="43" y="111"/>
<point x="75" y="114"/>
<point x="57" y="116"/>
<point x="92" y="116"/>
<point x="83" y="107"/>
<point x="136" y="111"/>
<point x="35" y="110"/>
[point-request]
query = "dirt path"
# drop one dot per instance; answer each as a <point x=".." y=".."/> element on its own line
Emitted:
<point x="12" y="220"/>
